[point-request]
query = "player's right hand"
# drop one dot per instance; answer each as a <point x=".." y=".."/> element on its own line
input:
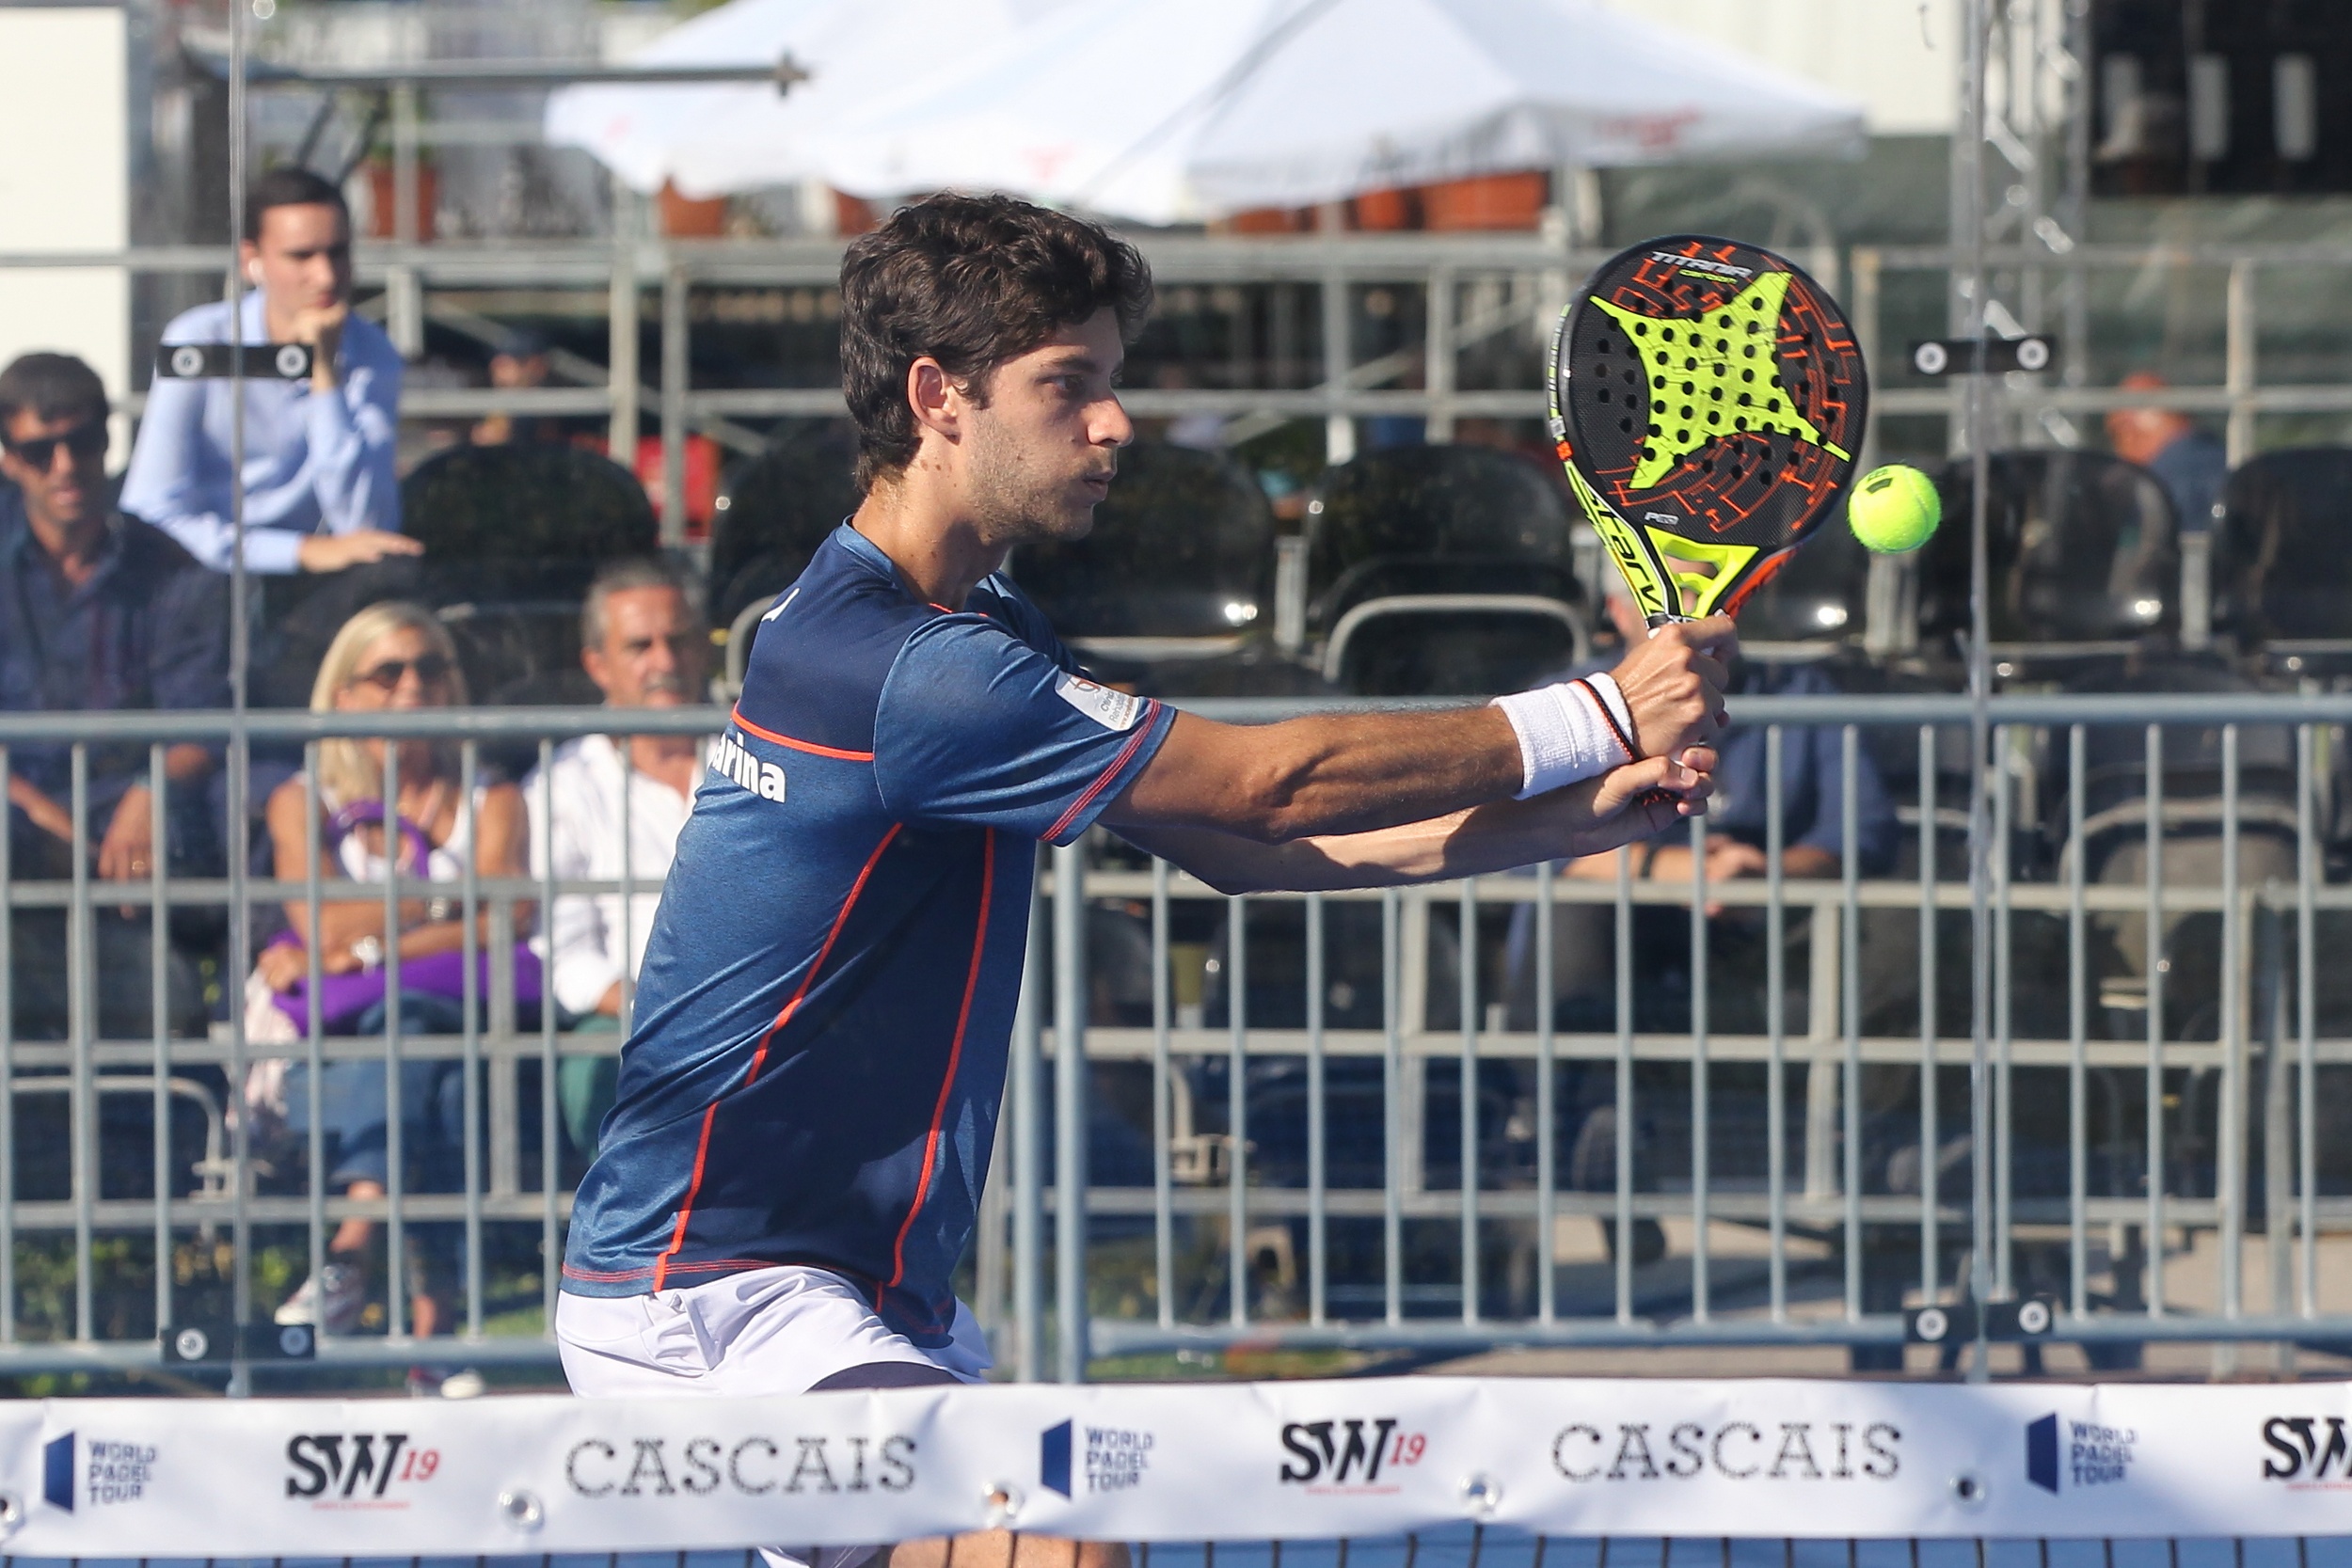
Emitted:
<point x="1673" y="682"/>
<point x="1626" y="803"/>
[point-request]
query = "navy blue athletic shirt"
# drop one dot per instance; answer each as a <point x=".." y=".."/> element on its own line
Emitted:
<point x="822" y="1016"/>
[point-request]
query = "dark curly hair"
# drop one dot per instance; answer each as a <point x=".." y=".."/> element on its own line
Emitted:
<point x="970" y="281"/>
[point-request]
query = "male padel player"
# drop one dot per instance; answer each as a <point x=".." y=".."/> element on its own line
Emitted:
<point x="808" y="1100"/>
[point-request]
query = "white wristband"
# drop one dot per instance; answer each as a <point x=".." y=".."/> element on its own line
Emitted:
<point x="1568" y="731"/>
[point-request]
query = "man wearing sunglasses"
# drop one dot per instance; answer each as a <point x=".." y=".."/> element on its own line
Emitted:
<point x="321" y="493"/>
<point x="98" y="612"/>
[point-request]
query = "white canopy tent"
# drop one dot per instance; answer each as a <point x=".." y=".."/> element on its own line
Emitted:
<point x="713" y="141"/>
<point x="1176" y="110"/>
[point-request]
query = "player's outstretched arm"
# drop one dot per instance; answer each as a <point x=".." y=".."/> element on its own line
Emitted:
<point x="1626" y="803"/>
<point x="1356" y="773"/>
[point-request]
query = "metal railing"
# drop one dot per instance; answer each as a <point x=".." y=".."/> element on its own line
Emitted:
<point x="2160" y="1048"/>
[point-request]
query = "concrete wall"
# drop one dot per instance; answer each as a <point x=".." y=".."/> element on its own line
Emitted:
<point x="64" y="185"/>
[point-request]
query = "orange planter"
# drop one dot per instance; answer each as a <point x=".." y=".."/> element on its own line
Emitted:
<point x="685" y="218"/>
<point x="1383" y="211"/>
<point x="382" y="202"/>
<point x="1486" y="201"/>
<point x="853" y="215"/>
<point x="1265" y="220"/>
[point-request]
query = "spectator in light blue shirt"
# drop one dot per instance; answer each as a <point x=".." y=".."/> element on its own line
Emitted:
<point x="320" y="489"/>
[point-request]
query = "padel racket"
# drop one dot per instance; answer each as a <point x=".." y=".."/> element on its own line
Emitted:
<point x="1707" y="401"/>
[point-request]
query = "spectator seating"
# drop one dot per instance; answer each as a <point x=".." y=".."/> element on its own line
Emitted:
<point x="513" y="534"/>
<point x="771" y="515"/>
<point x="2083" y="552"/>
<point x="1821" y="596"/>
<point x="1180" y="564"/>
<point x="1442" y="570"/>
<point x="2282" y="579"/>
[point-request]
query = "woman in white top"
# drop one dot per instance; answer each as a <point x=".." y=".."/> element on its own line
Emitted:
<point x="391" y="657"/>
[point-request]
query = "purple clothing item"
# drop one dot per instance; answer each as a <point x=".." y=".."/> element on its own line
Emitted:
<point x="345" y="997"/>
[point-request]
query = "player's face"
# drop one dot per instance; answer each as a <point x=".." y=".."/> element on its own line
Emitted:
<point x="653" y="654"/>
<point x="1041" y="452"/>
<point x="303" y="259"/>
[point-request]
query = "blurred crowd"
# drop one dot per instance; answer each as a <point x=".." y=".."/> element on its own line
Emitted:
<point x="517" y="566"/>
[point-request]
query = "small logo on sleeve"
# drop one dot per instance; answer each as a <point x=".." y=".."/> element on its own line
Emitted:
<point x="1113" y="710"/>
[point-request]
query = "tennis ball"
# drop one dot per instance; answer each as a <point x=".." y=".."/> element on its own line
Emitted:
<point x="1894" y="509"/>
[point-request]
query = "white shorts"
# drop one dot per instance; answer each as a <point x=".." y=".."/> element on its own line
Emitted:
<point x="779" y="1331"/>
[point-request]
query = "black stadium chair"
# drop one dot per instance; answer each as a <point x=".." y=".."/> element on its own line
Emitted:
<point x="513" y="535"/>
<point x="2083" y="557"/>
<point x="2281" y="575"/>
<point x="1441" y="571"/>
<point x="1180" y="564"/>
<point x="1819" y="596"/>
<point x="773" y="514"/>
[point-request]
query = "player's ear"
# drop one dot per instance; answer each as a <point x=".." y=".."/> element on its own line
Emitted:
<point x="934" y="396"/>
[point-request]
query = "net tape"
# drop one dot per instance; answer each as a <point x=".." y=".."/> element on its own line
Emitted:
<point x="1755" y="1460"/>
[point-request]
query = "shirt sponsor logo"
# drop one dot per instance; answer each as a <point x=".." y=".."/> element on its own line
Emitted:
<point x="1115" y="1458"/>
<point x="1354" y="1455"/>
<point x="753" y="1466"/>
<point x="730" y="761"/>
<point x="2307" y="1452"/>
<point x="1113" y="710"/>
<point x="95" y="1472"/>
<point x="1737" y="1451"/>
<point x="356" y="1469"/>
<point x="2077" y="1453"/>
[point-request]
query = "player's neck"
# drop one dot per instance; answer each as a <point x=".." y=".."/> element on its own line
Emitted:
<point x="935" y="544"/>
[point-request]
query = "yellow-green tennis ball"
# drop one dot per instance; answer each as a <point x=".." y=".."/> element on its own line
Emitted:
<point x="1894" y="509"/>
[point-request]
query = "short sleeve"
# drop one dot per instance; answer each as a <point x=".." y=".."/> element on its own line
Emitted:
<point x="977" y="727"/>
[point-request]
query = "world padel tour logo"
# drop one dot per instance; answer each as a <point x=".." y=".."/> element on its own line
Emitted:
<point x="1115" y="1459"/>
<point x="2060" y="1453"/>
<point x="95" y="1473"/>
<point x="1356" y="1454"/>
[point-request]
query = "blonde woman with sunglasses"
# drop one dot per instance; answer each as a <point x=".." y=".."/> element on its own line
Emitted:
<point x="390" y="658"/>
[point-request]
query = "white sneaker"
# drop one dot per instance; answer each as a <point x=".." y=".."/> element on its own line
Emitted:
<point x="465" y="1383"/>
<point x="345" y="1289"/>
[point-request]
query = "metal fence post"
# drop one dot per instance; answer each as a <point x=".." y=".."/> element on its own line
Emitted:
<point x="620" y="326"/>
<point x="1339" y="437"/>
<point x="1069" y="1112"/>
<point x="1029" y="1140"/>
<point x="403" y="299"/>
<point x="675" y="361"/>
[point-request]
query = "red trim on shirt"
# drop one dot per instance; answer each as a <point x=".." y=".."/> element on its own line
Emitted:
<point x="701" y="1145"/>
<point x="1126" y="753"/>
<point x="809" y="746"/>
<point x="955" y="1055"/>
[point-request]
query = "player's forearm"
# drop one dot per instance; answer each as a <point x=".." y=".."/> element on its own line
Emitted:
<point x="1587" y="819"/>
<point x="1337" y="773"/>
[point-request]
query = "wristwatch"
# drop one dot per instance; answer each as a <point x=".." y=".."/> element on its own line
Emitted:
<point x="368" y="950"/>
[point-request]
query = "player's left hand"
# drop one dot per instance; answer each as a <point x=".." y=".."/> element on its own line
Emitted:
<point x="1630" y="802"/>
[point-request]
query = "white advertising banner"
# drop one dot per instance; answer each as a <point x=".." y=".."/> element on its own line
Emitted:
<point x="134" y="1477"/>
